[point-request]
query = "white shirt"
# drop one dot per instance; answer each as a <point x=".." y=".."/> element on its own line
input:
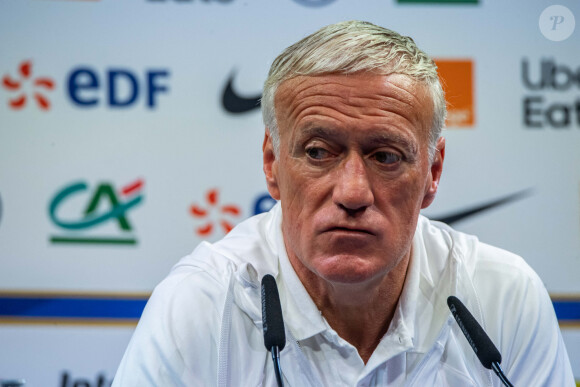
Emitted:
<point x="202" y="325"/>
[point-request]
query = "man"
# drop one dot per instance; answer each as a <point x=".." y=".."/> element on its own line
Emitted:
<point x="353" y="152"/>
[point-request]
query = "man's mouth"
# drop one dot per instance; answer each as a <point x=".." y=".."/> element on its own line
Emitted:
<point x="350" y="230"/>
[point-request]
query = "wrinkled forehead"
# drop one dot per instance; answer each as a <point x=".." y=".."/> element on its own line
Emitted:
<point x="364" y="93"/>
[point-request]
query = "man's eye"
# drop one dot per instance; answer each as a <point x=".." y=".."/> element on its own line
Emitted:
<point x="316" y="153"/>
<point x="387" y="157"/>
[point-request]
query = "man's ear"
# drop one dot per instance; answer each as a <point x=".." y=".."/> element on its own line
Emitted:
<point x="434" y="173"/>
<point x="270" y="166"/>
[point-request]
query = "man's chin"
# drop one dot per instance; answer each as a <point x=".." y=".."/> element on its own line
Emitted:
<point x="349" y="270"/>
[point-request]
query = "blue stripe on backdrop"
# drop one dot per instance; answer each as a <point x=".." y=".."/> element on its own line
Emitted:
<point x="567" y="310"/>
<point x="130" y="308"/>
<point x="63" y="307"/>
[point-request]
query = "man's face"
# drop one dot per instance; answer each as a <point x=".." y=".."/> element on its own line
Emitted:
<point x="352" y="173"/>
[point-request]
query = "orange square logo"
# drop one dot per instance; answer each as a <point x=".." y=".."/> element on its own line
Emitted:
<point x="456" y="77"/>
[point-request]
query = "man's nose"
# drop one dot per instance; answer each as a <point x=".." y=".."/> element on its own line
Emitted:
<point x="353" y="191"/>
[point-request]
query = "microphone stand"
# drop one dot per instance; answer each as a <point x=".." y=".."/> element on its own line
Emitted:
<point x="480" y="342"/>
<point x="499" y="372"/>
<point x="277" y="369"/>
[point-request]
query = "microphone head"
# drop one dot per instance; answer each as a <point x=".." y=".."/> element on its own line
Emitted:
<point x="482" y="345"/>
<point x="272" y="321"/>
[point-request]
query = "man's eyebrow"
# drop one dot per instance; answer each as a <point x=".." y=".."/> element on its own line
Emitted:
<point x="373" y="139"/>
<point x="393" y="138"/>
<point x="320" y="132"/>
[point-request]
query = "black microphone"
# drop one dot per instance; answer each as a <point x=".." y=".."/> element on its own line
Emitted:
<point x="482" y="345"/>
<point x="273" y="323"/>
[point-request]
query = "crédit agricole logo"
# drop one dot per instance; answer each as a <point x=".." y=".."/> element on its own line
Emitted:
<point x="95" y="215"/>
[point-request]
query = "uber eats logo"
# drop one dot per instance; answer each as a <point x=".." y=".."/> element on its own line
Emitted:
<point x="553" y="100"/>
<point x="96" y="214"/>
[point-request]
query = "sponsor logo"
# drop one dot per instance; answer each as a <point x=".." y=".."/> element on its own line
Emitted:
<point x="263" y="203"/>
<point x="87" y="87"/>
<point x="25" y="87"/>
<point x="314" y="3"/>
<point x="192" y="1"/>
<point x="213" y="213"/>
<point x="457" y="80"/>
<point x="80" y="0"/>
<point x="557" y="23"/>
<point x="236" y="103"/>
<point x="458" y="216"/>
<point x="217" y="220"/>
<point x="105" y="206"/>
<point x="440" y="1"/>
<point x="12" y="382"/>
<point x="121" y="87"/>
<point x="101" y="380"/>
<point x="550" y="103"/>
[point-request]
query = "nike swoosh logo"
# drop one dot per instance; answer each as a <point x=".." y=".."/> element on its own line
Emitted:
<point x="470" y="212"/>
<point x="235" y="103"/>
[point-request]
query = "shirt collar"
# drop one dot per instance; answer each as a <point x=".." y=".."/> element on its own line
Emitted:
<point x="303" y="318"/>
<point x="401" y="332"/>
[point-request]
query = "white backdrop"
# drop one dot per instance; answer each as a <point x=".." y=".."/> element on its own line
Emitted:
<point x="111" y="112"/>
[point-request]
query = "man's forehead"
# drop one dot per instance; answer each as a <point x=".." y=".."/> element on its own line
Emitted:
<point x="364" y="90"/>
<point x="365" y="80"/>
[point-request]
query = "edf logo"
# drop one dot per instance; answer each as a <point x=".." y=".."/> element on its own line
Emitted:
<point x="116" y="87"/>
<point x="86" y="87"/>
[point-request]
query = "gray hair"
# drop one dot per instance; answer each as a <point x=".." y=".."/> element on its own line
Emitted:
<point x="354" y="47"/>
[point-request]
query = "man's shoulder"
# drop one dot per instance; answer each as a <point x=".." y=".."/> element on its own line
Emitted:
<point x="250" y="246"/>
<point x="253" y="242"/>
<point x="199" y="284"/>
<point x="491" y="272"/>
<point x="507" y="298"/>
<point x="473" y="253"/>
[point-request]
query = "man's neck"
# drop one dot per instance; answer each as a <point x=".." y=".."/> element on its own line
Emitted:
<point x="359" y="313"/>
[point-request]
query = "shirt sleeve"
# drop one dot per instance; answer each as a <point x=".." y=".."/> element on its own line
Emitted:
<point x="175" y="342"/>
<point x="521" y="322"/>
<point x="539" y="356"/>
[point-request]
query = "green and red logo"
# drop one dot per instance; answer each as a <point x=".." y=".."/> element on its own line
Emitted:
<point x="88" y="215"/>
